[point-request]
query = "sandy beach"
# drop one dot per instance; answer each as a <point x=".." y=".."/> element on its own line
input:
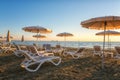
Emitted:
<point x="35" y="28"/>
<point x="84" y="68"/>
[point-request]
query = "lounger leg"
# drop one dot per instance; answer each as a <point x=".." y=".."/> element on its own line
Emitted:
<point x="75" y="56"/>
<point x="61" y="52"/>
<point x="55" y="62"/>
<point x="18" y="53"/>
<point x="5" y="50"/>
<point x="65" y="54"/>
<point x="33" y="70"/>
<point x="26" y="66"/>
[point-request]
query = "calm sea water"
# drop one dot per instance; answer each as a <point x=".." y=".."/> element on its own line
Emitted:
<point x="74" y="44"/>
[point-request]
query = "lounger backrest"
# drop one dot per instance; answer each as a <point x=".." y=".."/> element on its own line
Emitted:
<point x="80" y="50"/>
<point x="97" y="48"/>
<point x="7" y="44"/>
<point x="17" y="46"/>
<point x="43" y="46"/>
<point x="34" y="44"/>
<point x="58" y="46"/>
<point x="28" y="56"/>
<point x="47" y="46"/>
<point x="117" y="48"/>
<point x="32" y="49"/>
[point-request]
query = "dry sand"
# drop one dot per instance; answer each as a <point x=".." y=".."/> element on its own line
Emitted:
<point x="85" y="68"/>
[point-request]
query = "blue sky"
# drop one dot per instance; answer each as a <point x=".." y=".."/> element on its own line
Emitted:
<point x="58" y="15"/>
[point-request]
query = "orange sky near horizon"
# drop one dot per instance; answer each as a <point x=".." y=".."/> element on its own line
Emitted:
<point x="74" y="38"/>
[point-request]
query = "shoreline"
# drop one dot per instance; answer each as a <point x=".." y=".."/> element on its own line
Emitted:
<point x="68" y="44"/>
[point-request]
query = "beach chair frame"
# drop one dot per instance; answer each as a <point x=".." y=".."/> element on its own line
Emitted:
<point x="32" y="60"/>
<point x="34" y="50"/>
<point x="117" y="48"/>
<point x="75" y="54"/>
<point x="97" y="50"/>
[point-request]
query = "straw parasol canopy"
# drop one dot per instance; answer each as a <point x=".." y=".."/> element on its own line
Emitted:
<point x="37" y="29"/>
<point x="102" y="23"/>
<point x="109" y="33"/>
<point x="39" y="36"/>
<point x="22" y="39"/>
<point x="64" y="34"/>
<point x="111" y="22"/>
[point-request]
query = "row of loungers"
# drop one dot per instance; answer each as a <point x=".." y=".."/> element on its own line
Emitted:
<point x="33" y="56"/>
<point x="6" y="46"/>
<point x="98" y="51"/>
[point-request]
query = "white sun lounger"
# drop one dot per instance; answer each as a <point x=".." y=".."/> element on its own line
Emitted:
<point x="75" y="54"/>
<point x="117" y="48"/>
<point x="97" y="50"/>
<point x="58" y="50"/>
<point x="18" y="50"/>
<point x="32" y="60"/>
<point x="5" y="47"/>
<point x="34" y="50"/>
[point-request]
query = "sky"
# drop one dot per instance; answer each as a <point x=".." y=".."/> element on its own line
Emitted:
<point x="57" y="15"/>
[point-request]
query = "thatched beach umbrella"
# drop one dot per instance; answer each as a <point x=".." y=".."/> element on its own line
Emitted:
<point x="22" y="39"/>
<point x="108" y="33"/>
<point x="8" y="36"/>
<point x="39" y="36"/>
<point x="37" y="29"/>
<point x="102" y="23"/>
<point x="64" y="34"/>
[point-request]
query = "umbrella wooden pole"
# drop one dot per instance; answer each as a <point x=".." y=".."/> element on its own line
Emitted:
<point x="37" y="40"/>
<point x="103" y="46"/>
<point x="65" y="40"/>
<point x="22" y="40"/>
<point x="108" y="42"/>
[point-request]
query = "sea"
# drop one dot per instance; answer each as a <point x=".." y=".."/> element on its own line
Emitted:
<point x="74" y="44"/>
